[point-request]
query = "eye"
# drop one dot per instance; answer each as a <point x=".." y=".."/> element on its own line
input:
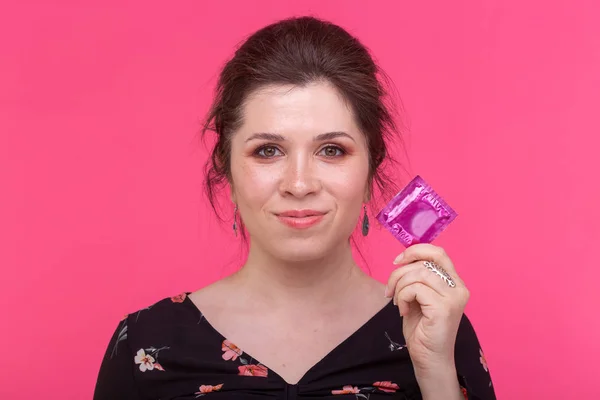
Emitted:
<point x="267" y="151"/>
<point x="332" y="151"/>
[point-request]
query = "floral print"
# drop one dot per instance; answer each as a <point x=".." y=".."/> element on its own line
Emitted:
<point x="231" y="351"/>
<point x="136" y="327"/>
<point x="386" y="386"/>
<point x="121" y="336"/>
<point x="464" y="392"/>
<point x="365" y="392"/>
<point x="148" y="361"/>
<point x="253" y="370"/>
<point x="346" y="390"/>
<point x="137" y="315"/>
<point x="483" y="361"/>
<point x="204" y="389"/>
<point x="180" y="298"/>
<point x="393" y="346"/>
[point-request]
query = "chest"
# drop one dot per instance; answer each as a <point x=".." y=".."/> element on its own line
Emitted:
<point x="288" y="348"/>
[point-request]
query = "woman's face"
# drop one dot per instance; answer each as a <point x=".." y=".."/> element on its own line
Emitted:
<point x="299" y="168"/>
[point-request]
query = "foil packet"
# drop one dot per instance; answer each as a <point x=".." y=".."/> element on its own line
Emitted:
<point x="417" y="214"/>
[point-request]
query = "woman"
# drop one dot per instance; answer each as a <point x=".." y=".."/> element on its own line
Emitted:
<point x="301" y="125"/>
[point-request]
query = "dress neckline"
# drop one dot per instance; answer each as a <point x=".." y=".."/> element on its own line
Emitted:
<point x="379" y="314"/>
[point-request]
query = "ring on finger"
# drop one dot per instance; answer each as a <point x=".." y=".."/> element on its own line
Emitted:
<point x="441" y="272"/>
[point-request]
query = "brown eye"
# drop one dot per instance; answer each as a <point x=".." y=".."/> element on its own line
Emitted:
<point x="267" y="151"/>
<point x="333" y="151"/>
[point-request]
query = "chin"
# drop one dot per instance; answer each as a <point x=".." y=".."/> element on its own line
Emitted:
<point x="300" y="250"/>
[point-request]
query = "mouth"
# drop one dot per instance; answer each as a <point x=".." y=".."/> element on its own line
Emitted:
<point x="300" y="219"/>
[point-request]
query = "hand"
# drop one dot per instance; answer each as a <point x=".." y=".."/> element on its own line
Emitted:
<point x="431" y="309"/>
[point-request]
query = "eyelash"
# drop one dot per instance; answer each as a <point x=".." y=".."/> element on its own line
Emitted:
<point x="268" y="146"/>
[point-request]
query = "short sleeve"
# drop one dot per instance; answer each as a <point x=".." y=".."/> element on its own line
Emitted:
<point x="471" y="365"/>
<point x="115" y="379"/>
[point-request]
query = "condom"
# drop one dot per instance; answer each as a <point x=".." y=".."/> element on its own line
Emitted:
<point x="417" y="214"/>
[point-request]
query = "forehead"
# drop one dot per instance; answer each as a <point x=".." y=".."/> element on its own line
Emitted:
<point x="287" y="109"/>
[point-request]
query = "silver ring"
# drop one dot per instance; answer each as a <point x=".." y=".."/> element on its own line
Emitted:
<point x="441" y="272"/>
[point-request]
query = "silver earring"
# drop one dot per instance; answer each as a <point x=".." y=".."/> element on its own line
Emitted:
<point x="235" y="220"/>
<point x="365" y="223"/>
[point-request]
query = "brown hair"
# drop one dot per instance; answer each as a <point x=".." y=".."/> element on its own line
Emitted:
<point x="300" y="51"/>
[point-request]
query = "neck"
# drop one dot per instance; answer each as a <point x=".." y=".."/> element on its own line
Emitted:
<point x="316" y="282"/>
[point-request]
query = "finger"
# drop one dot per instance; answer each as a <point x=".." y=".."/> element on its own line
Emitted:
<point x="395" y="276"/>
<point x="424" y="251"/>
<point x="428" y="252"/>
<point x="417" y="272"/>
<point x="417" y="292"/>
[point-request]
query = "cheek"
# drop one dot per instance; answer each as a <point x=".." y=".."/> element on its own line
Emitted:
<point x="253" y="185"/>
<point x="348" y="184"/>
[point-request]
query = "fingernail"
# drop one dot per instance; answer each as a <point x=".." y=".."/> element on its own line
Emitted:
<point x="399" y="258"/>
<point x="387" y="292"/>
<point x="394" y="301"/>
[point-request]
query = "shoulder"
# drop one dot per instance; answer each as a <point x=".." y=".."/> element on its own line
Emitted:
<point x="161" y="305"/>
<point x="161" y="319"/>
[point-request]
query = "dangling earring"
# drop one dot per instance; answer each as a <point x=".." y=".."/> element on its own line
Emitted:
<point x="365" y="223"/>
<point x="235" y="220"/>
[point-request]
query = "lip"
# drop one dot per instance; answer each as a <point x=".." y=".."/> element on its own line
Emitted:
<point x="300" y="219"/>
<point x="299" y="213"/>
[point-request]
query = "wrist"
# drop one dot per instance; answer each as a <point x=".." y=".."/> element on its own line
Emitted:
<point x="439" y="383"/>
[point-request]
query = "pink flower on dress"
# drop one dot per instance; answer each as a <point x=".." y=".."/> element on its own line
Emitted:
<point x="179" y="298"/>
<point x="348" y="389"/>
<point x="146" y="361"/>
<point x="158" y="366"/>
<point x="253" y="370"/>
<point x="464" y="392"/>
<point x="386" y="386"/>
<point x="231" y="351"/>
<point x="208" y="389"/>
<point x="483" y="361"/>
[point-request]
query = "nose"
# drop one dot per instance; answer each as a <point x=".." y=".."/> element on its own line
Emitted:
<point x="299" y="178"/>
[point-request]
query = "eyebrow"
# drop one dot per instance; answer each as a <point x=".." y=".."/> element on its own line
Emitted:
<point x="274" y="137"/>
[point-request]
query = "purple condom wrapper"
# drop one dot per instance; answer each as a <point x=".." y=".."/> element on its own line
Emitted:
<point x="417" y="214"/>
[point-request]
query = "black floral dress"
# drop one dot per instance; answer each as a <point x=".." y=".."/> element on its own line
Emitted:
<point x="170" y="351"/>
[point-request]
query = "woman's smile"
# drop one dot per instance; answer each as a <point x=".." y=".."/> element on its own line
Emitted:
<point x="301" y="219"/>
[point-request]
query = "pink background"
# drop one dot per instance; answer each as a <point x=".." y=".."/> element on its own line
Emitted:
<point x="101" y="209"/>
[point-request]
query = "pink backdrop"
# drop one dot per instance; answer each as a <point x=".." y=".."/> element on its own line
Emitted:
<point x="101" y="208"/>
